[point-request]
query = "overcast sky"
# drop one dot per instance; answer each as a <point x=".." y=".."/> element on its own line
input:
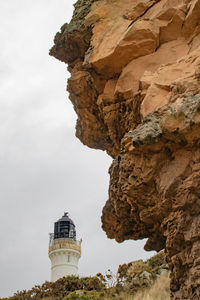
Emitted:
<point x="44" y="169"/>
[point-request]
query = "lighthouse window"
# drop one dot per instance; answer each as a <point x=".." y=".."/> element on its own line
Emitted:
<point x="68" y="258"/>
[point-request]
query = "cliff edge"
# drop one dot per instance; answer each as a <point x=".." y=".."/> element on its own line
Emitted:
<point x="135" y="86"/>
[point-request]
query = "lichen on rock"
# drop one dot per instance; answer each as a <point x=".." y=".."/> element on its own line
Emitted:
<point x="73" y="40"/>
<point x="135" y="87"/>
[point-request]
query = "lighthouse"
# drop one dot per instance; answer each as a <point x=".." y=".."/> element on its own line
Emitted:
<point x="64" y="249"/>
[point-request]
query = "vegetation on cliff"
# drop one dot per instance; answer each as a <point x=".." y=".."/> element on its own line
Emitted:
<point x="133" y="280"/>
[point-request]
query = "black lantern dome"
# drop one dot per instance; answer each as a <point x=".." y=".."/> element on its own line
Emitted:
<point x="64" y="228"/>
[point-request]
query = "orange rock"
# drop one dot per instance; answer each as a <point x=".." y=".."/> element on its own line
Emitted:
<point x="131" y="75"/>
<point x="135" y="86"/>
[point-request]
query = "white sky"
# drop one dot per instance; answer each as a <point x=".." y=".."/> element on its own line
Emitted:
<point x="44" y="169"/>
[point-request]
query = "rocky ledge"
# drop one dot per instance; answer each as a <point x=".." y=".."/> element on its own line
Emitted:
<point x="135" y="86"/>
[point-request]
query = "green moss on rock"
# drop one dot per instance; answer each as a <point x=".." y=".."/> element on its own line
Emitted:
<point x="73" y="40"/>
<point x="81" y="10"/>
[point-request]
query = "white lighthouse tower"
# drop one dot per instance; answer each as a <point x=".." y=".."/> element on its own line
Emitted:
<point x="64" y="249"/>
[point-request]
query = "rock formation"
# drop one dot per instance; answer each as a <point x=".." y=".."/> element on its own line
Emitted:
<point x="138" y="275"/>
<point x="135" y="86"/>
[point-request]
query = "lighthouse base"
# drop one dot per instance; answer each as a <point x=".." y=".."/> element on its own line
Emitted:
<point x="64" y="255"/>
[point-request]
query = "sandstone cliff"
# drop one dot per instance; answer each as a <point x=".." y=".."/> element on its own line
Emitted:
<point x="135" y="86"/>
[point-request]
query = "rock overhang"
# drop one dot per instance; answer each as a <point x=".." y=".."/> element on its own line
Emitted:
<point x="135" y="87"/>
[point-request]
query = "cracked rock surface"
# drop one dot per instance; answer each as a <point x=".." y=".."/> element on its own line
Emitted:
<point x="135" y="86"/>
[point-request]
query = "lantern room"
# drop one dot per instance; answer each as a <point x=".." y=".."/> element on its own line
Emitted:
<point x="64" y="228"/>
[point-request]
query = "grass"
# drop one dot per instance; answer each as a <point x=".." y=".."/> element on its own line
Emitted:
<point x="158" y="291"/>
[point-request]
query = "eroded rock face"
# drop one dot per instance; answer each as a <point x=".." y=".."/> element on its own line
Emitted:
<point x="135" y="86"/>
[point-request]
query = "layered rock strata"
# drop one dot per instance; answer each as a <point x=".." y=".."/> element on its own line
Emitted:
<point x="135" y="86"/>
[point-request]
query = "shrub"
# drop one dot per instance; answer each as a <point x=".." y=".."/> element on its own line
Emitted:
<point x="85" y="295"/>
<point x="130" y="278"/>
<point x="59" y="289"/>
